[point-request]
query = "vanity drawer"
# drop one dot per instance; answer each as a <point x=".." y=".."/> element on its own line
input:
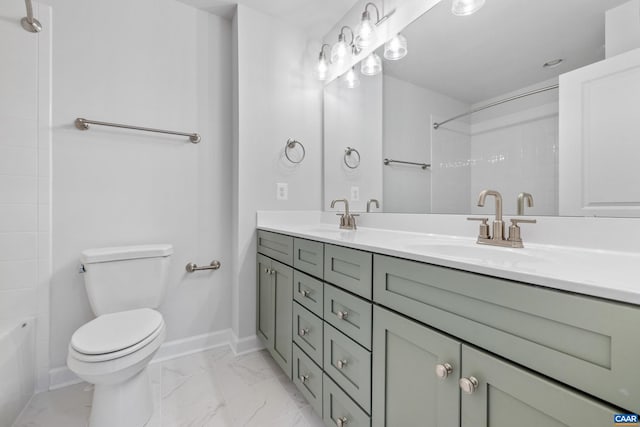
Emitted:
<point x="348" y="313"/>
<point x="585" y="342"/>
<point x="307" y="332"/>
<point x="276" y="246"/>
<point x="348" y="268"/>
<point x="336" y="405"/>
<point x="308" y="292"/>
<point x="308" y="256"/>
<point x="307" y="376"/>
<point x="349" y="365"/>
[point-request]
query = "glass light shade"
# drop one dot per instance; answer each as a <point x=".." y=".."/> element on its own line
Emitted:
<point x="466" y="7"/>
<point x="322" y="69"/>
<point x="371" y="65"/>
<point x="350" y="79"/>
<point x="365" y="32"/>
<point x="339" y="52"/>
<point x="396" y="48"/>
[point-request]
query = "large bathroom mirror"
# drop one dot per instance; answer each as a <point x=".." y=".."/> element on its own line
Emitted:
<point x="415" y="149"/>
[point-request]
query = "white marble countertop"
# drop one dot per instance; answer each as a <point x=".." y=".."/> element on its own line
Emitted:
<point x="608" y="274"/>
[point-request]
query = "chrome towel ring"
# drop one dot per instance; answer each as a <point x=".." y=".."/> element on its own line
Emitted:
<point x="348" y="154"/>
<point x="291" y="144"/>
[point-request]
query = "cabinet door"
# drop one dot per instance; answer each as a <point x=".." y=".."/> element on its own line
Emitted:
<point x="508" y="396"/>
<point x="283" y="306"/>
<point x="265" y="316"/>
<point x="406" y="389"/>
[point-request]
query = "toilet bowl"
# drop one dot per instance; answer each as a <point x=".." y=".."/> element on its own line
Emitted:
<point x="113" y="352"/>
<point x="124" y="286"/>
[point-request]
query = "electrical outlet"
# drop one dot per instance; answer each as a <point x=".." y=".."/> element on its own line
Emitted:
<point x="355" y="194"/>
<point x="282" y="191"/>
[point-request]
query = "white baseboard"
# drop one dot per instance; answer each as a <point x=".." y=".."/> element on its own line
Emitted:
<point x="62" y="376"/>
<point x="245" y="345"/>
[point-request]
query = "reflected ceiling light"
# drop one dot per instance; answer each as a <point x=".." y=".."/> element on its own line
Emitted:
<point x="553" y="63"/>
<point x="371" y="65"/>
<point x="341" y="49"/>
<point x="396" y="48"/>
<point x="466" y="7"/>
<point x="365" y="33"/>
<point x="350" y="79"/>
<point x="322" y="69"/>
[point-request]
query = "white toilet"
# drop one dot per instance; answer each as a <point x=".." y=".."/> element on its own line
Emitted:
<point x="124" y="285"/>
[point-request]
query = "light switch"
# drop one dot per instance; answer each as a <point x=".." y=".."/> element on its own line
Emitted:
<point x="355" y="194"/>
<point x="282" y="191"/>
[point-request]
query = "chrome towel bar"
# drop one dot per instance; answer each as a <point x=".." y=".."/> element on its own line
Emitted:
<point x="387" y="162"/>
<point x="191" y="267"/>
<point x="83" y="124"/>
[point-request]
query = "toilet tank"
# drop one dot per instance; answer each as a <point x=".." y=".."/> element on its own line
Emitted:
<point x="126" y="277"/>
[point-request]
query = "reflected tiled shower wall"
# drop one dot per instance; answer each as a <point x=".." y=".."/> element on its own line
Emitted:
<point x="24" y="189"/>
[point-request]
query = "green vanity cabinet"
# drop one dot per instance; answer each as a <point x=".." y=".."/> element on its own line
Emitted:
<point x="274" y="305"/>
<point x="406" y="389"/>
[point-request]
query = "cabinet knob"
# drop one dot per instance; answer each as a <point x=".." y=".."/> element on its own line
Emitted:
<point x="340" y="422"/>
<point x="341" y="363"/>
<point x="267" y="270"/>
<point x="272" y="271"/>
<point x="304" y="378"/>
<point x="303" y="332"/>
<point x="342" y="315"/>
<point x="305" y="293"/>
<point x="443" y="370"/>
<point x="468" y="385"/>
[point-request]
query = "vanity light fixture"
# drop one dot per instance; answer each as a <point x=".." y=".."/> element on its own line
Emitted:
<point x="365" y="31"/>
<point x="371" y="65"/>
<point x="396" y="48"/>
<point x="322" y="69"/>
<point x="350" y="79"/>
<point x="341" y="49"/>
<point x="466" y="7"/>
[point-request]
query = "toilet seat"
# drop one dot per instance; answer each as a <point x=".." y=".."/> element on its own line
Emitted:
<point x="116" y="335"/>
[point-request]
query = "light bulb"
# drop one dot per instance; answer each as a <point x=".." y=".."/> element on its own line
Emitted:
<point x="339" y="51"/>
<point x="365" y="32"/>
<point x="466" y="7"/>
<point x="350" y="79"/>
<point x="371" y="65"/>
<point x="396" y="48"/>
<point x="322" y="69"/>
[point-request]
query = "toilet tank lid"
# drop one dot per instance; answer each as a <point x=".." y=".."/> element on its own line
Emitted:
<point x="125" y="252"/>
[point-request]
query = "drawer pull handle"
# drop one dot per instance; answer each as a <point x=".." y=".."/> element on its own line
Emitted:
<point x="443" y="370"/>
<point x="305" y="293"/>
<point x="468" y="385"/>
<point x="340" y="422"/>
<point x="341" y="363"/>
<point x="342" y="315"/>
<point x="304" y="378"/>
<point x="303" y="332"/>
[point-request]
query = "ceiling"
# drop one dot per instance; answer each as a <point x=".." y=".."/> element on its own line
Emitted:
<point x="502" y="47"/>
<point x="316" y="17"/>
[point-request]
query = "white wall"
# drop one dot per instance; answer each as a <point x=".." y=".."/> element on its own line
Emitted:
<point x="156" y="63"/>
<point x="353" y="118"/>
<point x="408" y="110"/>
<point x="622" y="28"/>
<point x="514" y="149"/>
<point x="24" y="175"/>
<point x="276" y="98"/>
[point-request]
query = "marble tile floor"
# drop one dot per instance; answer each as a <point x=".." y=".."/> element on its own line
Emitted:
<point x="214" y="388"/>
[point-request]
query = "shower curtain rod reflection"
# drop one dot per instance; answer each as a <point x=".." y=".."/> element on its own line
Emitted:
<point x="493" y="104"/>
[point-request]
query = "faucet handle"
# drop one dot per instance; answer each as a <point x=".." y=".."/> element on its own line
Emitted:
<point x="514" y="231"/>
<point x="484" y="227"/>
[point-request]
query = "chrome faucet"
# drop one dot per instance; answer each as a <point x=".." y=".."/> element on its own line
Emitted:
<point x="347" y="220"/>
<point x="521" y="199"/>
<point x="514" y="240"/>
<point x="375" y="202"/>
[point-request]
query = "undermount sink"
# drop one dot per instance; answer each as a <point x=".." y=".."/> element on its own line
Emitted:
<point x="465" y="250"/>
